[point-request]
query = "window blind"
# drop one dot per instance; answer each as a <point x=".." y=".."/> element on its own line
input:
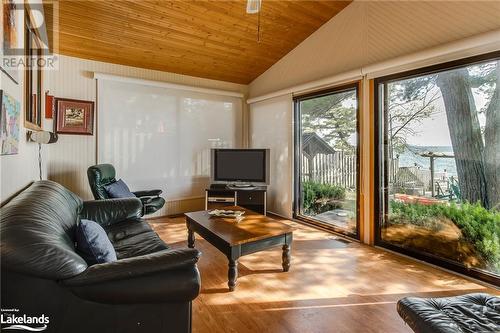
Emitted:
<point x="158" y="137"/>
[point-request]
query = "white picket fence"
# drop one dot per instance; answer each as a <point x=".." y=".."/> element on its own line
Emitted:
<point x="335" y="169"/>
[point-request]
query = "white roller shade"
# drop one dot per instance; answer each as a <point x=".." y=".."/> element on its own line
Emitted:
<point x="271" y="127"/>
<point x="159" y="137"/>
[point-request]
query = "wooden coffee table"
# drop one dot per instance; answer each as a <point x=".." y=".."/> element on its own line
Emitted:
<point x="253" y="233"/>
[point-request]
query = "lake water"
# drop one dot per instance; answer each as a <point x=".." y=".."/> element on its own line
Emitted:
<point x="411" y="157"/>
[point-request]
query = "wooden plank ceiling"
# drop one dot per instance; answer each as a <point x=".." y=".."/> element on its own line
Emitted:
<point x="209" y="39"/>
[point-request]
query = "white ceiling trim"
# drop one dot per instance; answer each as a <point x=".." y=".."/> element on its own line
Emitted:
<point x="467" y="47"/>
<point x="310" y="86"/>
<point x="168" y="85"/>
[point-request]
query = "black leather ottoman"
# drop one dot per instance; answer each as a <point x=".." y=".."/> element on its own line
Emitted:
<point x="472" y="313"/>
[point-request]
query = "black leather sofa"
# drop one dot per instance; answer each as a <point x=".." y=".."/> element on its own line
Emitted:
<point x="148" y="289"/>
<point x="471" y="313"/>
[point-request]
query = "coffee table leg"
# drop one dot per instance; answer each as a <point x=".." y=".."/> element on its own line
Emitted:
<point x="232" y="274"/>
<point x="191" y="238"/>
<point x="286" y="258"/>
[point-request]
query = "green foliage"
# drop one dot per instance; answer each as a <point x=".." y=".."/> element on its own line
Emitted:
<point x="479" y="226"/>
<point x="415" y="214"/>
<point x="333" y="117"/>
<point x="312" y="192"/>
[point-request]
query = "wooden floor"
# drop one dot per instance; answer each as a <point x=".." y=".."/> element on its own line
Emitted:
<point x="332" y="286"/>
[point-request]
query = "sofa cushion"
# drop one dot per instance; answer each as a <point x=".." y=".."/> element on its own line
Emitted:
<point x="460" y="314"/>
<point x="119" y="189"/>
<point x="93" y="244"/>
<point x="127" y="228"/>
<point x="138" y="245"/>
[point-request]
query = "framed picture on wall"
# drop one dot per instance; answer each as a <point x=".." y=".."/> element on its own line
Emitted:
<point x="74" y="116"/>
<point x="10" y="114"/>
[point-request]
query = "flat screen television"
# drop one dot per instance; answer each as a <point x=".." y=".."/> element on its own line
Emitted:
<point x="240" y="166"/>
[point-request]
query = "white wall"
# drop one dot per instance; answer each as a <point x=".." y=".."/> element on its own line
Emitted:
<point x="271" y="127"/>
<point x="18" y="170"/>
<point x="73" y="154"/>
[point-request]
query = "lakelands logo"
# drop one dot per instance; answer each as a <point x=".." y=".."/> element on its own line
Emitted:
<point x="10" y="319"/>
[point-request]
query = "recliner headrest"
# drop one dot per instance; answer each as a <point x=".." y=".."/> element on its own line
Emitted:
<point x="99" y="176"/>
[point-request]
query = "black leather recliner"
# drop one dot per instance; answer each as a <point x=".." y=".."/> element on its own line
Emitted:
<point x="101" y="175"/>
<point x="148" y="289"/>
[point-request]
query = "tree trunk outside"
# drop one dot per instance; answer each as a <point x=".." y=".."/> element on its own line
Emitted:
<point x="492" y="146"/>
<point x="465" y="133"/>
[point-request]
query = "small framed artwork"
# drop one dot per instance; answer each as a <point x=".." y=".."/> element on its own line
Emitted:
<point x="73" y="116"/>
<point x="10" y="114"/>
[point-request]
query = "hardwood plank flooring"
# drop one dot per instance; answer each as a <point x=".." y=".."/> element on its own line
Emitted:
<point x="332" y="286"/>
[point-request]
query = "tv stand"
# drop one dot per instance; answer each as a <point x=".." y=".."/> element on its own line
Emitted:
<point x="250" y="198"/>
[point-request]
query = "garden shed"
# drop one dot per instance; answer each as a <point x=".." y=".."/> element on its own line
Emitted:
<point x="313" y="144"/>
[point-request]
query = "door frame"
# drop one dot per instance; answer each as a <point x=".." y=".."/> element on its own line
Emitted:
<point x="297" y="164"/>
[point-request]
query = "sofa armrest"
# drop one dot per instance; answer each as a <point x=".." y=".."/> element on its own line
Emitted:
<point x="109" y="211"/>
<point x="150" y="193"/>
<point x="165" y="276"/>
<point x="136" y="266"/>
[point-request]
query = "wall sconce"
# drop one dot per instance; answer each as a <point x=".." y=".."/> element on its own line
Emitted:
<point x="41" y="137"/>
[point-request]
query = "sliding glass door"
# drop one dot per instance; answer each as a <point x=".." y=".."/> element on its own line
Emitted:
<point x="439" y="165"/>
<point x="326" y="159"/>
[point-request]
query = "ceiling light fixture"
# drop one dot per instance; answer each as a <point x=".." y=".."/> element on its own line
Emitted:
<point x="254" y="7"/>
